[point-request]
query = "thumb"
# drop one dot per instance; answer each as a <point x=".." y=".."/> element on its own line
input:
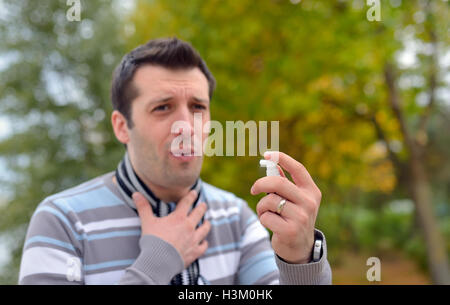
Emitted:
<point x="143" y="207"/>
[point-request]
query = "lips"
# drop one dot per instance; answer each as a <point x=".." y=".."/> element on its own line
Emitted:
<point x="183" y="157"/>
<point x="182" y="153"/>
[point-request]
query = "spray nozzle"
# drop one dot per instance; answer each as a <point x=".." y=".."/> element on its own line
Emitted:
<point x="271" y="167"/>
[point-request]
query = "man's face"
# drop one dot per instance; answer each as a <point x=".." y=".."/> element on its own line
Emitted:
<point x="165" y="97"/>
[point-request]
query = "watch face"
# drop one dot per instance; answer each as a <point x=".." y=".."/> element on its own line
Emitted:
<point x="317" y="250"/>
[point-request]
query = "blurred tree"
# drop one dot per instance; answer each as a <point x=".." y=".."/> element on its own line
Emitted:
<point x="330" y="77"/>
<point x="55" y="93"/>
<point x="346" y="102"/>
<point x="415" y="135"/>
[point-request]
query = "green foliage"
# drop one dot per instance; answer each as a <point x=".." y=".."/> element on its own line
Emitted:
<point x="383" y="230"/>
<point x="317" y="67"/>
<point x="56" y="95"/>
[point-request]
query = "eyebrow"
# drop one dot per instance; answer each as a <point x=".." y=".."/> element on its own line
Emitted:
<point x="159" y="100"/>
<point x="168" y="98"/>
<point x="201" y="100"/>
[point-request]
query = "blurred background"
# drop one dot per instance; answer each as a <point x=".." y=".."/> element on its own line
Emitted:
<point x="364" y="105"/>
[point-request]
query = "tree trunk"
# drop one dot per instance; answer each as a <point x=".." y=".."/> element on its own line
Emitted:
<point x="420" y="190"/>
<point x="436" y="248"/>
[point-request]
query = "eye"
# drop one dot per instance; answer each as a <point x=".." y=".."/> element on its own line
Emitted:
<point x="199" y="107"/>
<point x="161" y="107"/>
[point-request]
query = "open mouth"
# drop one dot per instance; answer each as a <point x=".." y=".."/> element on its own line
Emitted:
<point x="182" y="155"/>
<point x="186" y="154"/>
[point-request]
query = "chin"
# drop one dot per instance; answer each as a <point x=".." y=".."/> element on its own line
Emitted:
<point x="184" y="174"/>
<point x="183" y="180"/>
<point x="187" y="176"/>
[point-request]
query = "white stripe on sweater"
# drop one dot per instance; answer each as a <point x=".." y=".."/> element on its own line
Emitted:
<point x="109" y="224"/>
<point x="218" y="266"/>
<point x="46" y="260"/>
<point x="253" y="233"/>
<point x="104" y="278"/>
<point x="212" y="214"/>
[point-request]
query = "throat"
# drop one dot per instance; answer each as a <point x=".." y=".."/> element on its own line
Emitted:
<point x="163" y="194"/>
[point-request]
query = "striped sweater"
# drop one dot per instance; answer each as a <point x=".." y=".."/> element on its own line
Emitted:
<point x="89" y="235"/>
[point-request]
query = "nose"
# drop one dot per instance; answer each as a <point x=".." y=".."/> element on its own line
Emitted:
<point x="185" y="116"/>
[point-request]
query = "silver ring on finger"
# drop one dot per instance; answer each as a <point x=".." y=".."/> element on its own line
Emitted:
<point x="281" y="206"/>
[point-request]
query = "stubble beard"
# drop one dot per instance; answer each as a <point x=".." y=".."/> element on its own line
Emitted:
<point x="167" y="173"/>
<point x="184" y="174"/>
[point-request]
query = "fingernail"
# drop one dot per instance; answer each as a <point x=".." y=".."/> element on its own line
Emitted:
<point x="251" y="190"/>
<point x="267" y="154"/>
<point x="135" y="196"/>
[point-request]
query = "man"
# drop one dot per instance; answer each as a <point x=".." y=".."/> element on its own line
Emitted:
<point x="153" y="221"/>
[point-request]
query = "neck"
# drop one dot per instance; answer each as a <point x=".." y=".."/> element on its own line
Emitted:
<point x="172" y="194"/>
<point x="165" y="194"/>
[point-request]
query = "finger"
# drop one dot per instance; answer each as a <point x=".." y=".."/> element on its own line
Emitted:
<point x="281" y="171"/>
<point x="202" y="232"/>
<point x="273" y="222"/>
<point x="143" y="207"/>
<point x="202" y="247"/>
<point x="185" y="203"/>
<point x="271" y="202"/>
<point x="298" y="172"/>
<point x="197" y="213"/>
<point x="282" y="186"/>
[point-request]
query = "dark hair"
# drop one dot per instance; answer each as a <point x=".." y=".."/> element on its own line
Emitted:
<point x="171" y="53"/>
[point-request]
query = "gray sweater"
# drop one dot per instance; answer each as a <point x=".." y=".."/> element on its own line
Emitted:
<point x="90" y="235"/>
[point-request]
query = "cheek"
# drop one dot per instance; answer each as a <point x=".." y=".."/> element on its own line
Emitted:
<point x="205" y="131"/>
<point x="145" y="137"/>
<point x="159" y="135"/>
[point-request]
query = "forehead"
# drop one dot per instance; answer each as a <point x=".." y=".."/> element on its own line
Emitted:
<point x="154" y="80"/>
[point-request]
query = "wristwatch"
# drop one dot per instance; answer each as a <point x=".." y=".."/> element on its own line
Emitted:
<point x="317" y="250"/>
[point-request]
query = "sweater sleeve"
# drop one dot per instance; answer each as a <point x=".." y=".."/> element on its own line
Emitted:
<point x="259" y="265"/>
<point x="157" y="263"/>
<point x="52" y="250"/>
<point x="53" y="253"/>
<point x="316" y="273"/>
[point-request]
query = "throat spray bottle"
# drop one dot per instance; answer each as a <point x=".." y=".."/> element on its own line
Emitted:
<point x="271" y="167"/>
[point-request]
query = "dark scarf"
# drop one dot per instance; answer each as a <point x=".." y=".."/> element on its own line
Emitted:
<point x="129" y="183"/>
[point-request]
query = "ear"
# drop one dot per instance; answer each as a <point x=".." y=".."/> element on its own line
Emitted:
<point x="120" y="127"/>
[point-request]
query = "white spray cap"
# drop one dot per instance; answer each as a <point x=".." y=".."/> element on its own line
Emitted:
<point x="271" y="167"/>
